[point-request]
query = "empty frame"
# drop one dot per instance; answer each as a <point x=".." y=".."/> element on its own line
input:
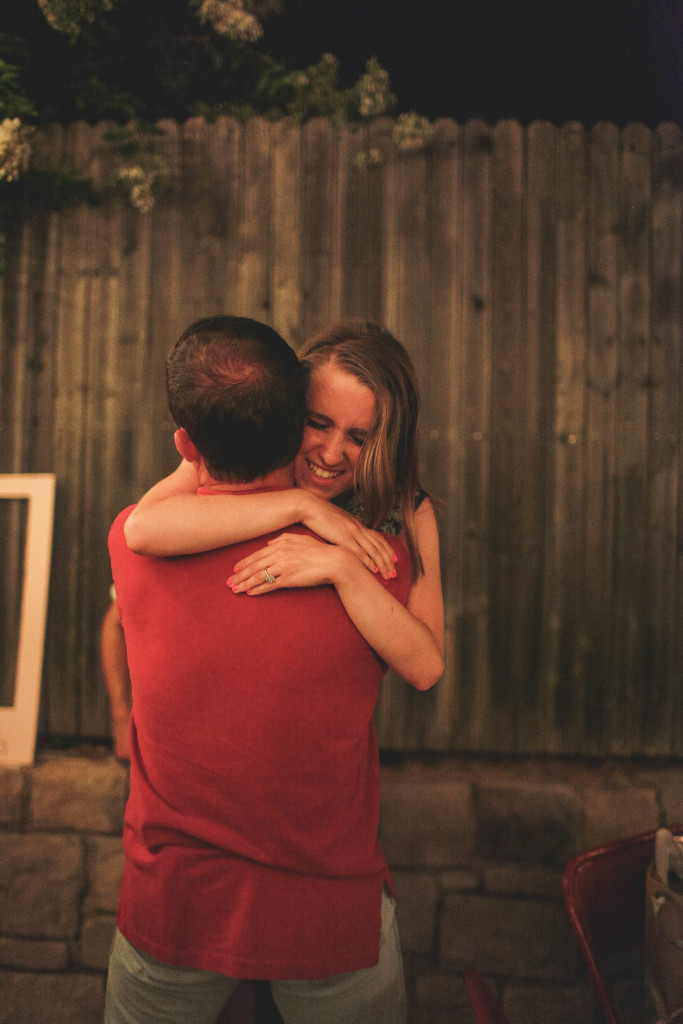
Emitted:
<point x="26" y="507"/>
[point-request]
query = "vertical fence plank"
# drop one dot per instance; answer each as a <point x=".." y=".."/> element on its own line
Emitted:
<point x="478" y="717"/>
<point x="341" y="172"/>
<point x="320" y="224"/>
<point x="133" y="383"/>
<point x="100" y="330"/>
<point x="537" y="428"/>
<point x="368" y="150"/>
<point x="663" y="643"/>
<point x="442" y="398"/>
<point x="124" y="368"/>
<point x="406" y="266"/>
<point x="40" y="315"/>
<point x="255" y="217"/>
<point x="632" y="416"/>
<point x="223" y="147"/>
<point x="66" y="648"/>
<point x="372" y="175"/>
<point x="508" y="387"/>
<point x="16" y="351"/>
<point x="210" y="208"/>
<point x="285" y="231"/>
<point x="562" y="589"/>
<point x="225" y="154"/>
<point x="173" y="302"/>
<point x="202" y="276"/>
<point x="406" y="313"/>
<point x="118" y="410"/>
<point x="596" y="616"/>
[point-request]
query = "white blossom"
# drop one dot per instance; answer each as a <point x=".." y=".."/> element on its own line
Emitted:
<point x="140" y="183"/>
<point x="68" y="15"/>
<point x="230" y="18"/>
<point x="142" y="197"/>
<point x="15" y="148"/>
<point x="132" y="175"/>
<point x="373" y="90"/>
<point x="368" y="158"/>
<point x="411" y="132"/>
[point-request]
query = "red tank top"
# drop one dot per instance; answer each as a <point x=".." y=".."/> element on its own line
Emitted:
<point x="251" y="828"/>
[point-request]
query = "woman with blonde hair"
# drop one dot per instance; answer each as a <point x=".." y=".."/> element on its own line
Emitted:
<point x="357" y="480"/>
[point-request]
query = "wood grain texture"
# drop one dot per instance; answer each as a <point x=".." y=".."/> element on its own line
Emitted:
<point x="534" y="275"/>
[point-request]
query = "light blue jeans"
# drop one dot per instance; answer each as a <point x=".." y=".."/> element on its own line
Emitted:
<point x="142" y="990"/>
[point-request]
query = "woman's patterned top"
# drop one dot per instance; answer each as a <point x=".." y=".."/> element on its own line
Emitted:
<point x="352" y="502"/>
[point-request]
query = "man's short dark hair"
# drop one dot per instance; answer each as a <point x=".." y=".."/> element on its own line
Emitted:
<point x="239" y="391"/>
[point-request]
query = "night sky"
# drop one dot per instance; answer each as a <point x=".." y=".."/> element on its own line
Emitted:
<point x="560" y="60"/>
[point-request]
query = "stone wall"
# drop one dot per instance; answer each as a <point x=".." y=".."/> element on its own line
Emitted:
<point x="476" y="847"/>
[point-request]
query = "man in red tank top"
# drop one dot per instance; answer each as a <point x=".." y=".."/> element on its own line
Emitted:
<point x="251" y="829"/>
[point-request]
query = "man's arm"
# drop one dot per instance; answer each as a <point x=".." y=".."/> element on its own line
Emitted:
<point x="117" y="678"/>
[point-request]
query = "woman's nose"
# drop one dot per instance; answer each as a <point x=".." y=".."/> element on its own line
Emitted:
<point x="333" y="449"/>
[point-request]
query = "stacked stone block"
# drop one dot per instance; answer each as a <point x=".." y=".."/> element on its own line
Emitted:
<point x="476" y="848"/>
<point x="61" y="860"/>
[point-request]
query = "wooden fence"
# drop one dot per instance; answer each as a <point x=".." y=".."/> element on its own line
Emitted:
<point x="535" y="276"/>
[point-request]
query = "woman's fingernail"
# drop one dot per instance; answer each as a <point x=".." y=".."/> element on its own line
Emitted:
<point x="229" y="582"/>
<point x="395" y="557"/>
<point x="376" y="569"/>
<point x="235" y="568"/>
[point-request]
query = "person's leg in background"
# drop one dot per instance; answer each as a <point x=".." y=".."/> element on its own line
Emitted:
<point x="374" y="995"/>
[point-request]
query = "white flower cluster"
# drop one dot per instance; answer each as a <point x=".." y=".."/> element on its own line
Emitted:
<point x="230" y="18"/>
<point x="411" y="132"/>
<point x="15" y="148"/>
<point x="68" y="15"/>
<point x="141" y="185"/>
<point x="373" y="90"/>
<point x="367" y="158"/>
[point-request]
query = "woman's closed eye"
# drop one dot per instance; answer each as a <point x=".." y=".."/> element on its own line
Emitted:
<point x="316" y="424"/>
<point x="322" y="424"/>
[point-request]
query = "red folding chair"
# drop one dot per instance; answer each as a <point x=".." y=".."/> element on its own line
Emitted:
<point x="604" y="893"/>
<point x="487" y="1009"/>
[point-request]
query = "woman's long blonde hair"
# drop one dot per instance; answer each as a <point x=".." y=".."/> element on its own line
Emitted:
<point x="386" y="470"/>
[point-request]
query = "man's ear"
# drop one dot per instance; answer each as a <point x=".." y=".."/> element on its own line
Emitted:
<point x="185" y="446"/>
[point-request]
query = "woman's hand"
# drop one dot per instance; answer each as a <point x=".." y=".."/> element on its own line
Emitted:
<point x="410" y="639"/>
<point x="293" y="560"/>
<point x="341" y="528"/>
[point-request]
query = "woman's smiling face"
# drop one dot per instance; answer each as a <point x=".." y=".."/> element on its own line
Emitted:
<point x="340" y="414"/>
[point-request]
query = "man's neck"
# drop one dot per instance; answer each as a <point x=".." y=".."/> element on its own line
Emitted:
<point x="279" y="479"/>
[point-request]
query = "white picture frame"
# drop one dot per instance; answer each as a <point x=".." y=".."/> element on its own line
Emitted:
<point x="19" y="722"/>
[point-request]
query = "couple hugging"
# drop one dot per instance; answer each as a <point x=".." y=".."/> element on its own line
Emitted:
<point x="263" y="596"/>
